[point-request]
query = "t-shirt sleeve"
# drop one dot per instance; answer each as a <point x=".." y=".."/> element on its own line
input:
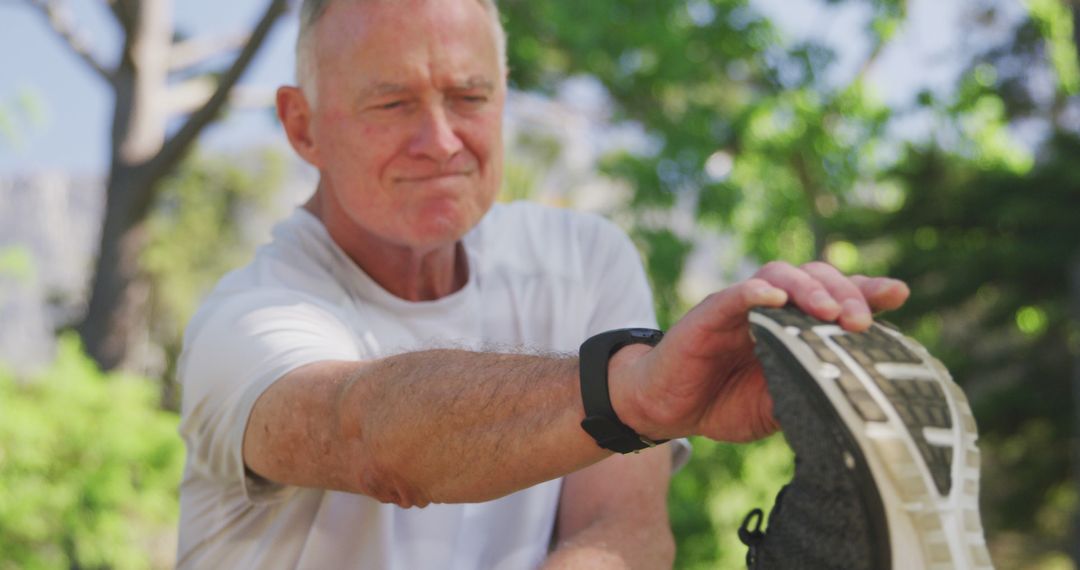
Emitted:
<point x="623" y="298"/>
<point x="235" y="348"/>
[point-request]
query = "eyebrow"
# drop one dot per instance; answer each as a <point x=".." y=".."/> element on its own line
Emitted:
<point x="382" y="88"/>
<point x="475" y="82"/>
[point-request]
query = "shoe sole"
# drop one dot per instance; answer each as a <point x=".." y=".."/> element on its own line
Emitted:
<point x="914" y="435"/>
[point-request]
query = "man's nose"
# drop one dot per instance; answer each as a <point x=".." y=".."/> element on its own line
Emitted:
<point x="435" y="138"/>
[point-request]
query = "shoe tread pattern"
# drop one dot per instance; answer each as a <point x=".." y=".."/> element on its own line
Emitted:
<point x="920" y="403"/>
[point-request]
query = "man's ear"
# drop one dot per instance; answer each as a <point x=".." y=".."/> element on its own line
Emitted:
<point x="295" y="115"/>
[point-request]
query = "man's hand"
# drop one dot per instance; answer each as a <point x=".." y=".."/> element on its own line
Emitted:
<point x="703" y="378"/>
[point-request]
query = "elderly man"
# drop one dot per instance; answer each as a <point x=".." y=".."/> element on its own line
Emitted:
<point x="356" y="396"/>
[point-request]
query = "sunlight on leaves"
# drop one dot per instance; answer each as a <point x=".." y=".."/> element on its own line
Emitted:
<point x="1031" y="320"/>
<point x="1055" y="22"/>
<point x="843" y="255"/>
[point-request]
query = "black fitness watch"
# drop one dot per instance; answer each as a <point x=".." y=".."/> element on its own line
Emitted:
<point x="601" y="422"/>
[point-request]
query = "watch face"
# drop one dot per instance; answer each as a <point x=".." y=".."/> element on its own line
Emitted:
<point x="649" y="336"/>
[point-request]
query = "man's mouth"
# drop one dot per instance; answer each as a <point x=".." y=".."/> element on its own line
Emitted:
<point x="433" y="177"/>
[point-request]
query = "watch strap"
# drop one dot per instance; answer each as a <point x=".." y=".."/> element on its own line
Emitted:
<point x="601" y="422"/>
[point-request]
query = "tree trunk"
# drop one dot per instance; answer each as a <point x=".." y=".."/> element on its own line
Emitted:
<point x="117" y="300"/>
<point x="141" y="158"/>
<point x="118" y="297"/>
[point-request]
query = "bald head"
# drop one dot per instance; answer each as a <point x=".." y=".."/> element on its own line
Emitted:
<point x="311" y="11"/>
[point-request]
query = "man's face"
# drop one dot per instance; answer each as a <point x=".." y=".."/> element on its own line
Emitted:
<point x="408" y="118"/>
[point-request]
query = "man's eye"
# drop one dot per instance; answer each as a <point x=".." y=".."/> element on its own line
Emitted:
<point x="391" y="105"/>
<point x="474" y="99"/>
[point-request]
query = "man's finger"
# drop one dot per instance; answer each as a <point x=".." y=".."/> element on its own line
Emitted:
<point x="882" y="293"/>
<point x="726" y="309"/>
<point x="805" y="291"/>
<point x="855" y="310"/>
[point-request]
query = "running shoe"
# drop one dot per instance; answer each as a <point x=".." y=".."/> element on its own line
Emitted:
<point x="886" y="466"/>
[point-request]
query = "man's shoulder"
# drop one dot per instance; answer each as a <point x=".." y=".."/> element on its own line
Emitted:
<point x="300" y="257"/>
<point x="292" y="269"/>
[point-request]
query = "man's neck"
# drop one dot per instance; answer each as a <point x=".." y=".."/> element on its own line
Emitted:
<point x="407" y="273"/>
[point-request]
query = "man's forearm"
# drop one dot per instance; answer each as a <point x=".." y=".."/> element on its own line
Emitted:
<point x="455" y="426"/>
<point x="433" y="426"/>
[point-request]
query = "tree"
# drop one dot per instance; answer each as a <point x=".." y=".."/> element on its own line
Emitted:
<point x="749" y="136"/>
<point x="147" y="98"/>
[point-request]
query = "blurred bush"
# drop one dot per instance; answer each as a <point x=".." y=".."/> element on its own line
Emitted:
<point x="89" y="469"/>
<point x="711" y="495"/>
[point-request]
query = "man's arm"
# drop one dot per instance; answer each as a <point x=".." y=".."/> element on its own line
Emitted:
<point x="457" y="426"/>
<point x="613" y="515"/>
<point x="440" y="426"/>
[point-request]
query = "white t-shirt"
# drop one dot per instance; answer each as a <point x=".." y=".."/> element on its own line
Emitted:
<point x="539" y="278"/>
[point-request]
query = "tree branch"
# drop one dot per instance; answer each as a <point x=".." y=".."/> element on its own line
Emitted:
<point x="122" y="12"/>
<point x="192" y="94"/>
<point x="875" y="52"/>
<point x="175" y="147"/>
<point x="253" y="98"/>
<point x="199" y="50"/>
<point x="63" y="24"/>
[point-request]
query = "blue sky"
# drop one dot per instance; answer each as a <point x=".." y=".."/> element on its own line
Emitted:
<point x="77" y="106"/>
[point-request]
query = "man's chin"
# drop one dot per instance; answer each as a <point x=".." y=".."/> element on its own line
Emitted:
<point x="437" y="235"/>
<point x="446" y="223"/>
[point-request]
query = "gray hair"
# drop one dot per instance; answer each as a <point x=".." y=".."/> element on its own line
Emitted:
<point x="312" y="10"/>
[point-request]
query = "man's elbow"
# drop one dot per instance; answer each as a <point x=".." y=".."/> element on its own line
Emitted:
<point x="393" y="490"/>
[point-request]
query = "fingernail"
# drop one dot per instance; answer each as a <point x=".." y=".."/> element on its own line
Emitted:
<point x="823" y="301"/>
<point x="768" y="294"/>
<point x="856" y="313"/>
<point x="883" y="286"/>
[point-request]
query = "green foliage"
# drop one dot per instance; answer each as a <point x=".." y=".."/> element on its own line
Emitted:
<point x="1055" y="22"/>
<point x="89" y="469"/>
<point x="988" y="252"/>
<point x="665" y="253"/>
<point x="18" y="263"/>
<point x="711" y="78"/>
<point x="684" y="70"/>
<point x="19" y="114"/>
<point x="802" y="154"/>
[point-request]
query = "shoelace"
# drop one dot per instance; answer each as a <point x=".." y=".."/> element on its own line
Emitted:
<point x="752" y="538"/>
